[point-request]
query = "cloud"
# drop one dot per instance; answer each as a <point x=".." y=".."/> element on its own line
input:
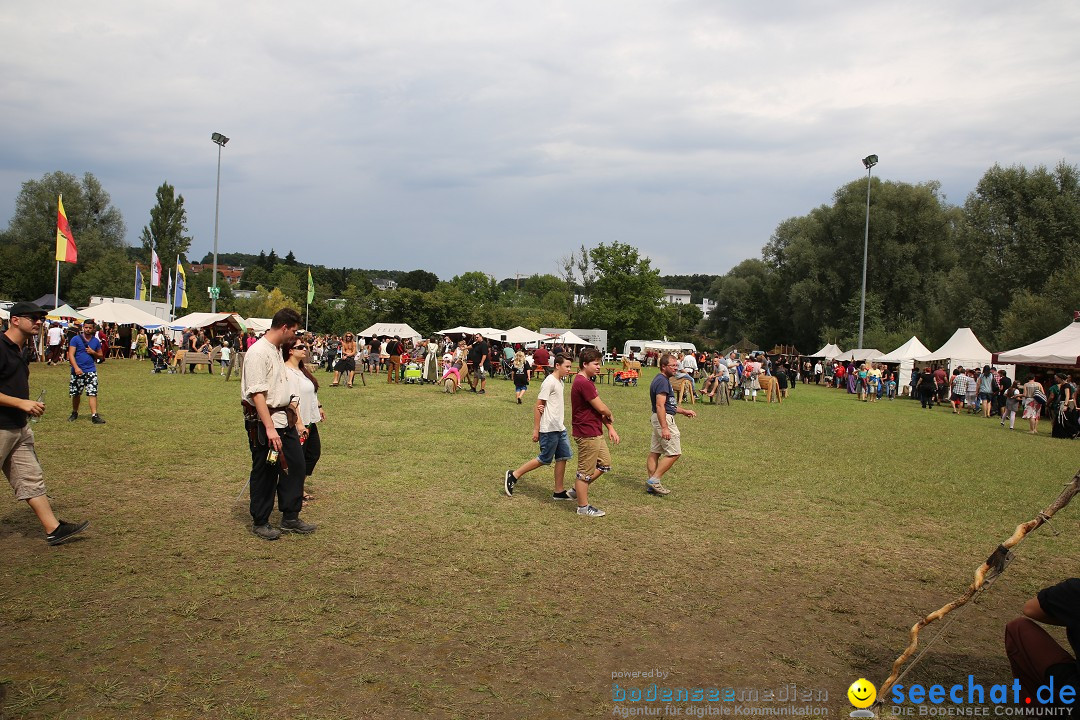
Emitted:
<point x="498" y="137"/>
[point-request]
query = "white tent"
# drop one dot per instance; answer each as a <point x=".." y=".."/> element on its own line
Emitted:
<point x="401" y="330"/>
<point x="904" y="355"/>
<point x="489" y="333"/>
<point x="962" y="349"/>
<point x="1060" y="349"/>
<point x="568" y="338"/>
<point x="201" y="320"/>
<point x="259" y="325"/>
<point x="828" y="352"/>
<point x="523" y="336"/>
<point x="122" y="314"/>
<point x="910" y="350"/>
<point x="4" y="314"/>
<point x="859" y="354"/>
<point x="65" y="311"/>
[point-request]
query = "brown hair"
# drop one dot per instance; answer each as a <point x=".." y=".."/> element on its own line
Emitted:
<point x="588" y="355"/>
<point x="560" y="359"/>
<point x="286" y="348"/>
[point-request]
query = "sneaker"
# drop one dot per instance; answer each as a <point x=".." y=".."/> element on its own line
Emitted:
<point x="509" y="482"/>
<point x="73" y="417"/>
<point x="519" y="401"/>
<point x="657" y="489"/>
<point x="481" y="392"/>
<point x="266" y="532"/>
<point x="590" y="511"/>
<point x="97" y="420"/>
<point x="298" y="526"/>
<point x="65" y="531"/>
<point x="570" y="494"/>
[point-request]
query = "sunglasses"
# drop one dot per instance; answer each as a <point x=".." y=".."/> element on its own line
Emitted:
<point x="299" y="347"/>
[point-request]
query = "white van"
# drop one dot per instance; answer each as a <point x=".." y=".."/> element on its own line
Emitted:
<point x="638" y="347"/>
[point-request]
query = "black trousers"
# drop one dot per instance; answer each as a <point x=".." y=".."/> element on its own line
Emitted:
<point x="268" y="479"/>
<point x="312" y="448"/>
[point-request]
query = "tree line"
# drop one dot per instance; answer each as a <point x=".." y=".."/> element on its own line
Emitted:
<point x="1005" y="263"/>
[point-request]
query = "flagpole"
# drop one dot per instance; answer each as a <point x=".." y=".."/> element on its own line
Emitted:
<point x="307" y="308"/>
<point x="56" y="292"/>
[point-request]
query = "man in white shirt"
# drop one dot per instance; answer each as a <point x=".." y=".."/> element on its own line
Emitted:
<point x="277" y="457"/>
<point x="549" y="430"/>
<point x="56" y="343"/>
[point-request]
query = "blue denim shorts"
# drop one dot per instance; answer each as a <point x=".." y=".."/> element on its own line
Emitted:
<point x="555" y="446"/>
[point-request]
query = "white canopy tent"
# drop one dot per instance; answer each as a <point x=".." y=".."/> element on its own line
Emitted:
<point x="910" y="350"/>
<point x="65" y="311"/>
<point x="829" y="352"/>
<point x="1062" y="349"/>
<point x="859" y="354"/>
<point x="4" y="314"/>
<point x="962" y="349"/>
<point x="462" y="330"/>
<point x="567" y="338"/>
<point x="201" y="320"/>
<point x="523" y="336"/>
<point x="905" y="356"/>
<point x="401" y="330"/>
<point x="122" y="314"/>
<point x="259" y="325"/>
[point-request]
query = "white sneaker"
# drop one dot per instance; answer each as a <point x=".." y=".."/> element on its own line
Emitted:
<point x="591" y="511"/>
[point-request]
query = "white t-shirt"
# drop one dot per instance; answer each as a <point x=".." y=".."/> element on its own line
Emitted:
<point x="309" y="400"/>
<point x="56" y="335"/>
<point x="551" y="392"/>
<point x="689" y="364"/>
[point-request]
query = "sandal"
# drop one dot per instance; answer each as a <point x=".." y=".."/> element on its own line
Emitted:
<point x="349" y="385"/>
<point x="308" y="496"/>
<point x="333" y="385"/>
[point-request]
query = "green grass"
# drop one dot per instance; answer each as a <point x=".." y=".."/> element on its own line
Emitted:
<point x="798" y="545"/>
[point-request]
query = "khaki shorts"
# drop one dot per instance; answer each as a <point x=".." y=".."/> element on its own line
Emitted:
<point x="670" y="448"/>
<point x="592" y="453"/>
<point x="20" y="463"/>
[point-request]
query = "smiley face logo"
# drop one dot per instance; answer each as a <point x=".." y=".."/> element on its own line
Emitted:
<point x="862" y="693"/>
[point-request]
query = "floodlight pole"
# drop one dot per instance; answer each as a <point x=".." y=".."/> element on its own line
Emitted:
<point x="220" y="141"/>
<point x="868" y="162"/>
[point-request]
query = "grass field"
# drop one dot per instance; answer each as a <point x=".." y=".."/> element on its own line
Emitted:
<point x="798" y="545"/>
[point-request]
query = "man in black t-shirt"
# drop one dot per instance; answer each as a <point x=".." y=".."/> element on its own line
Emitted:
<point x="17" y="456"/>
<point x="1035" y="657"/>
<point x="478" y="361"/>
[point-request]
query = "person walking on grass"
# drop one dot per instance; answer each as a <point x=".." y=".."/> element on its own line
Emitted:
<point x="520" y="376"/>
<point x="549" y="430"/>
<point x="666" y="447"/>
<point x="83" y="353"/>
<point x="589" y="416"/>
<point x="17" y="456"/>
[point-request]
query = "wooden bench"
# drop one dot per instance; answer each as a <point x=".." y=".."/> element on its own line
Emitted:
<point x="197" y="358"/>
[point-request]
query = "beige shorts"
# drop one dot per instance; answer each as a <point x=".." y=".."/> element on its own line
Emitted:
<point x="670" y="448"/>
<point x="21" y="464"/>
<point x="592" y="452"/>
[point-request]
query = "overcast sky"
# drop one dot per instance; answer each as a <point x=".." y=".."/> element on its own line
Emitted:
<point x="499" y="136"/>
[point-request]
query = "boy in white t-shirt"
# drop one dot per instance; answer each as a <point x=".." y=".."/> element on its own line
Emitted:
<point x="549" y="430"/>
<point x="226" y="355"/>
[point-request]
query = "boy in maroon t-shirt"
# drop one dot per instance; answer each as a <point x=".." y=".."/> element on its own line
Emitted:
<point x="589" y="416"/>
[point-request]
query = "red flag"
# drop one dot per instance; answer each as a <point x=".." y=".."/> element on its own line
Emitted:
<point x="65" y="241"/>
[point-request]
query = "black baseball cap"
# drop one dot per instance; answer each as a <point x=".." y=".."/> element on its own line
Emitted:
<point x="26" y="309"/>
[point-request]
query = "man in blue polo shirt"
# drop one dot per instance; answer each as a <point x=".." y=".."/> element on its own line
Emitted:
<point x="17" y="456"/>
<point x="83" y="353"/>
<point x="666" y="447"/>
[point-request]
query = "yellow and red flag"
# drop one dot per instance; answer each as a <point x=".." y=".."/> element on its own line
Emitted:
<point x="65" y="241"/>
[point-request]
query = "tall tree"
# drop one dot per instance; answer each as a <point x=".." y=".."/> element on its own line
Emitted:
<point x="167" y="229"/>
<point x="626" y="294"/>
<point x="30" y="240"/>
